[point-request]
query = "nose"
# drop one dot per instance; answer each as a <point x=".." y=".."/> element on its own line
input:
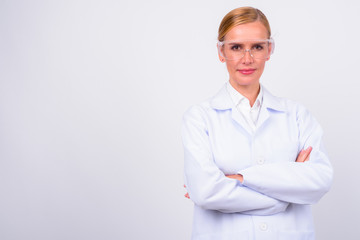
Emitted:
<point x="247" y="58"/>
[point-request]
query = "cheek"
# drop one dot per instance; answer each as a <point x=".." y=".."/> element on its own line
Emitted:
<point x="261" y="66"/>
<point x="231" y="66"/>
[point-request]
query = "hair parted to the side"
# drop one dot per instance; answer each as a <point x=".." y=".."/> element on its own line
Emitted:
<point x="240" y="16"/>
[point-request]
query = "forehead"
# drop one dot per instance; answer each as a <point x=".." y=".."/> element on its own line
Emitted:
<point x="254" y="30"/>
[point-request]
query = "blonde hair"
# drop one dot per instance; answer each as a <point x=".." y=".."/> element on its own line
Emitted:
<point x="240" y="16"/>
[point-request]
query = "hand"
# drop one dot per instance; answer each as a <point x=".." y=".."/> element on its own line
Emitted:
<point x="237" y="177"/>
<point x="304" y="155"/>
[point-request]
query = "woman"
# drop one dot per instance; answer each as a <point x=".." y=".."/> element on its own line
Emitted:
<point x="254" y="163"/>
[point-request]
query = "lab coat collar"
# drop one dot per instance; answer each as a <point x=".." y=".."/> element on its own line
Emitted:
<point x="222" y="100"/>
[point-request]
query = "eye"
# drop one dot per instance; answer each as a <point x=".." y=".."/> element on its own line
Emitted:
<point x="258" y="47"/>
<point x="236" y="47"/>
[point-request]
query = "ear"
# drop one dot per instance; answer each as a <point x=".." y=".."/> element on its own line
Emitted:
<point x="220" y="54"/>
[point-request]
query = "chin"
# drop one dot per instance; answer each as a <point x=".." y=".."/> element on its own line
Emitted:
<point x="246" y="82"/>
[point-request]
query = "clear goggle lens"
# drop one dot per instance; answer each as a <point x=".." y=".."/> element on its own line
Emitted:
<point x="235" y="50"/>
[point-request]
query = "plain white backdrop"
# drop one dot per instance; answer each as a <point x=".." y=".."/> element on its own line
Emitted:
<point x="92" y="95"/>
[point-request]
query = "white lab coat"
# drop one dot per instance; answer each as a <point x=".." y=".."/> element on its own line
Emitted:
<point x="274" y="200"/>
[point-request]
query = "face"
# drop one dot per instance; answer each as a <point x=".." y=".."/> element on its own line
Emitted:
<point x="246" y="71"/>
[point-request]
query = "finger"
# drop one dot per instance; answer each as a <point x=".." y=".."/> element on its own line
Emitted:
<point x="308" y="150"/>
<point x="233" y="177"/>
<point x="304" y="155"/>
<point x="300" y="157"/>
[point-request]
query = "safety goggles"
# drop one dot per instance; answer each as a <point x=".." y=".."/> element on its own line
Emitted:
<point x="236" y="49"/>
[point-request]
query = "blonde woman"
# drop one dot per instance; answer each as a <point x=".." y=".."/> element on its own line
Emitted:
<point x="254" y="163"/>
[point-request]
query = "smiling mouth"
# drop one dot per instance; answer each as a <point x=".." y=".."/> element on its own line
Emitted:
<point x="247" y="71"/>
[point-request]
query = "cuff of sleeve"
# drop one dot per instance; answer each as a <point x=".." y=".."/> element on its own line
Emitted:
<point x="245" y="175"/>
<point x="251" y="179"/>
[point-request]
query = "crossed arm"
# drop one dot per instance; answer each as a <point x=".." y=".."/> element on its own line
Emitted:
<point x="303" y="156"/>
<point x="303" y="181"/>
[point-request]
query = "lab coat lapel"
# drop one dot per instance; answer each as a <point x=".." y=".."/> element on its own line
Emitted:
<point x="223" y="101"/>
<point x="270" y="103"/>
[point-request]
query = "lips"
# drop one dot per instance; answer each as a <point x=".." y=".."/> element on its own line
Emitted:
<point x="247" y="71"/>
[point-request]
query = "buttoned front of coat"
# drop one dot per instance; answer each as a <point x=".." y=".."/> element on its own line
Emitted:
<point x="274" y="200"/>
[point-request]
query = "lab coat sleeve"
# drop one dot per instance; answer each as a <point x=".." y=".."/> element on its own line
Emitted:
<point x="207" y="185"/>
<point x="301" y="183"/>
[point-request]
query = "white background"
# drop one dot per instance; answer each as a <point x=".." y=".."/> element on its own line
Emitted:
<point x="92" y="95"/>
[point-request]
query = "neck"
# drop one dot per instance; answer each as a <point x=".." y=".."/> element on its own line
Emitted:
<point x="249" y="91"/>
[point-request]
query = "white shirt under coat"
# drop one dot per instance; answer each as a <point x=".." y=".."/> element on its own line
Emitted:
<point x="242" y="104"/>
<point x="274" y="201"/>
